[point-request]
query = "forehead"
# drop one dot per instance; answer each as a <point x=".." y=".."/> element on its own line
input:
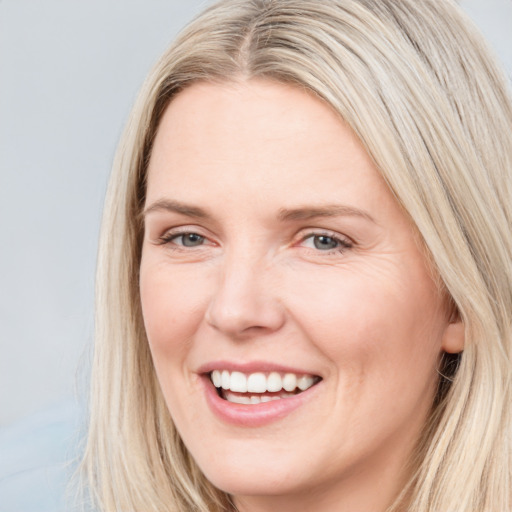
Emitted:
<point x="258" y="137"/>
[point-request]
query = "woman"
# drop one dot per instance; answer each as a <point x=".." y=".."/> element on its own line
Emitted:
<point x="304" y="283"/>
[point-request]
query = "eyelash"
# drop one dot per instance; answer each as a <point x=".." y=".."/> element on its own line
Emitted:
<point x="168" y="237"/>
<point x="342" y="243"/>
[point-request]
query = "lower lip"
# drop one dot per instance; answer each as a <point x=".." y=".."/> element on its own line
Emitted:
<point x="255" y="415"/>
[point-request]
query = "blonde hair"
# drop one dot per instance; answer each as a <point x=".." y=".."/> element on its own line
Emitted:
<point x="417" y="84"/>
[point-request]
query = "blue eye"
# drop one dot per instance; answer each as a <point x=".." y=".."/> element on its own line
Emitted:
<point x="187" y="239"/>
<point x="323" y="242"/>
<point x="191" y="239"/>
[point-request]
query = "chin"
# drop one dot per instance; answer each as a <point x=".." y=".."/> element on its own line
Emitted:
<point x="254" y="481"/>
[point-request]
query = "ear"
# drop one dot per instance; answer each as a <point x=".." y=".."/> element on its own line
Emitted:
<point x="454" y="336"/>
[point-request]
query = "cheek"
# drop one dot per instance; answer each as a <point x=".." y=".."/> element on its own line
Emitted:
<point x="376" y="331"/>
<point x="172" y="307"/>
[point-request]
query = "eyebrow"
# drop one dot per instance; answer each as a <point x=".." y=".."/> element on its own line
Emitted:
<point x="176" y="207"/>
<point x="284" y="214"/>
<point x="313" y="212"/>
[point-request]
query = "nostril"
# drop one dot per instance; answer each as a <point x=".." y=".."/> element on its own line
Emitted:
<point x="245" y="318"/>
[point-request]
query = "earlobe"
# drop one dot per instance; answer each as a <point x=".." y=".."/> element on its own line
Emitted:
<point x="454" y="337"/>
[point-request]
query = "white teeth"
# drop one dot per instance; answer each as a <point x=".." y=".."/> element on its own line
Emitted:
<point x="238" y="382"/>
<point x="289" y="382"/>
<point x="225" y="379"/>
<point x="256" y="383"/>
<point x="259" y="382"/>
<point x="254" y="399"/>
<point x="217" y="378"/>
<point x="238" y="399"/>
<point x="274" y="382"/>
<point x="305" y="382"/>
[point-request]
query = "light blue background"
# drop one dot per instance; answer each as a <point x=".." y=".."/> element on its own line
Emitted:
<point x="69" y="72"/>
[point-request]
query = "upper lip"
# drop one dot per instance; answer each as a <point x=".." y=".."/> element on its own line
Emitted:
<point x="252" y="367"/>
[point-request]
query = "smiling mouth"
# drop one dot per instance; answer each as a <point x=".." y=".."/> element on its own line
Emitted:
<point x="255" y="388"/>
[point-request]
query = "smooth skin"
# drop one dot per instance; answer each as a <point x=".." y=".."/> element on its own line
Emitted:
<point x="298" y="256"/>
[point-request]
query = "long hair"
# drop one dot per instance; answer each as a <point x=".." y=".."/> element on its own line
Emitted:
<point x="417" y="84"/>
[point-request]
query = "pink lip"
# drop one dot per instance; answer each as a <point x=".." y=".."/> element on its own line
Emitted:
<point x="255" y="415"/>
<point x="251" y="367"/>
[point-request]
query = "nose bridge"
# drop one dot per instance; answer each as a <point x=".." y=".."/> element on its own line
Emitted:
<point x="245" y="299"/>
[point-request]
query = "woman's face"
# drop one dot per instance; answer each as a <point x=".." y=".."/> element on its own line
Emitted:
<point x="275" y="259"/>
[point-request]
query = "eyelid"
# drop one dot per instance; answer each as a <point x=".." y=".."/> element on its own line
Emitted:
<point x="309" y="232"/>
<point x="168" y="235"/>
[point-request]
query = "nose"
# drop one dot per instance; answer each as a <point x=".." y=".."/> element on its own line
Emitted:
<point x="246" y="300"/>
